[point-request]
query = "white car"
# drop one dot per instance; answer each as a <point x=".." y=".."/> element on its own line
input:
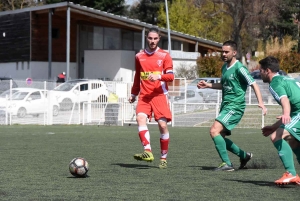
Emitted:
<point x="191" y="97"/>
<point x="5" y="95"/>
<point x="208" y="94"/>
<point x="79" y="91"/>
<point x="27" y="101"/>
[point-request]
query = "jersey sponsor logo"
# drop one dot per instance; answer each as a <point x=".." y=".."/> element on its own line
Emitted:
<point x="145" y="75"/>
<point x="159" y="62"/>
<point x="231" y="77"/>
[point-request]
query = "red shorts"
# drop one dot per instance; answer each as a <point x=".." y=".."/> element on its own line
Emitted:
<point x="158" y="105"/>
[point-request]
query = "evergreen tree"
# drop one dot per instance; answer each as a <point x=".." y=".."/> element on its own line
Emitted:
<point x="146" y="11"/>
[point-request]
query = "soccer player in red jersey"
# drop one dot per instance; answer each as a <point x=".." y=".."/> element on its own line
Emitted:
<point x="154" y="68"/>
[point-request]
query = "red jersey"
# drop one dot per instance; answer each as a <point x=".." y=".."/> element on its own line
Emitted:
<point x="158" y="62"/>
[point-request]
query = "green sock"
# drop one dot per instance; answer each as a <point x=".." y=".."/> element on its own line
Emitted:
<point x="286" y="155"/>
<point x="221" y="148"/>
<point x="230" y="146"/>
<point x="297" y="153"/>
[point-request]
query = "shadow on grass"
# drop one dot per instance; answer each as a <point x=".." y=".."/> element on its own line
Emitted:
<point x="136" y="166"/>
<point x="261" y="183"/>
<point x="203" y="167"/>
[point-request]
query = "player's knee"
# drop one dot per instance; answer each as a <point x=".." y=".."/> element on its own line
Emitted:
<point x="213" y="132"/>
<point x="141" y="118"/>
<point x="162" y="123"/>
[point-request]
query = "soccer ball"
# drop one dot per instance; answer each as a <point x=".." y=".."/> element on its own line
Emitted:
<point x="79" y="167"/>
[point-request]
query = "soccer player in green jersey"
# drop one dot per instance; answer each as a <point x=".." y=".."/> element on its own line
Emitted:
<point x="234" y="82"/>
<point x="285" y="133"/>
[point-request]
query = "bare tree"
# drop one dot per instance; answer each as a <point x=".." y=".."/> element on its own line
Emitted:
<point x="17" y="4"/>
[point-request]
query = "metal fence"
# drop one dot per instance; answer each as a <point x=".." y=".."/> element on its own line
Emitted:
<point x="120" y="112"/>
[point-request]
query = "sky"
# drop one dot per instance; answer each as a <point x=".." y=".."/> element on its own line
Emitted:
<point x="130" y="1"/>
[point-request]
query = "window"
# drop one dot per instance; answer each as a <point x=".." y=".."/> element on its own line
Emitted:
<point x="137" y="43"/>
<point x="98" y="38"/>
<point x="84" y="87"/>
<point x="112" y="38"/>
<point x="127" y="38"/>
<point x="176" y="45"/>
<point x="190" y="94"/>
<point x="55" y="33"/>
<point x="35" y="95"/>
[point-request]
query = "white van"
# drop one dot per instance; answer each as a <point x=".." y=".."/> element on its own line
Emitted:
<point x="79" y="91"/>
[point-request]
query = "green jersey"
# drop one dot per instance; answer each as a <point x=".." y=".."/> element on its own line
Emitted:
<point x="281" y="86"/>
<point x="235" y="80"/>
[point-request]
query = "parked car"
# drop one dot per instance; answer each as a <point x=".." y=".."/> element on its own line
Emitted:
<point x="5" y="84"/>
<point x="256" y="74"/>
<point x="27" y="101"/>
<point x="79" y="91"/>
<point x="6" y="93"/>
<point x="191" y="97"/>
<point x="209" y="95"/>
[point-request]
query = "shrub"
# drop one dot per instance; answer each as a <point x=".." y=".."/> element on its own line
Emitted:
<point x="209" y="66"/>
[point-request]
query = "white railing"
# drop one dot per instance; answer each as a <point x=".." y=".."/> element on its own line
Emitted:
<point x="123" y="113"/>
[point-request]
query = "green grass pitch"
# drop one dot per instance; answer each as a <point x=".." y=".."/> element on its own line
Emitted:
<point x="35" y="159"/>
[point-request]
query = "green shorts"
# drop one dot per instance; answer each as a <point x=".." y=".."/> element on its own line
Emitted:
<point x="229" y="117"/>
<point x="293" y="127"/>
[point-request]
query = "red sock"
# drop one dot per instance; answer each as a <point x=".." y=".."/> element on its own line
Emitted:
<point x="144" y="134"/>
<point x="164" y="145"/>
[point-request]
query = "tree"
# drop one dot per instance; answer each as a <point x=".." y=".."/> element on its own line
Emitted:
<point x="191" y="17"/>
<point x="17" y="4"/>
<point x="288" y="22"/>
<point x="116" y="7"/>
<point x="146" y="10"/>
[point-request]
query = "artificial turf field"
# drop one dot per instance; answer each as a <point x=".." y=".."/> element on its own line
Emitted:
<point x="35" y="159"/>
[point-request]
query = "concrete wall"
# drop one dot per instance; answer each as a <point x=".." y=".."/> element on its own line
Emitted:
<point x="116" y="65"/>
<point x="35" y="70"/>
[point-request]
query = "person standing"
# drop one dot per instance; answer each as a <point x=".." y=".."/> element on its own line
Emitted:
<point x="285" y="133"/>
<point x="234" y="82"/>
<point x="61" y="78"/>
<point x="154" y="68"/>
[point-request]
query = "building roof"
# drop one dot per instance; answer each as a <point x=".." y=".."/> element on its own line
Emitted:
<point x="91" y="12"/>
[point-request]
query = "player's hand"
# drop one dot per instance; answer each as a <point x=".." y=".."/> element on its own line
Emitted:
<point x="267" y="130"/>
<point x="153" y="77"/>
<point x="264" y="109"/>
<point x="202" y="84"/>
<point x="131" y="99"/>
<point x="285" y="119"/>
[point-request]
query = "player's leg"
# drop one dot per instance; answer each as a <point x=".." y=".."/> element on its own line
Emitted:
<point x="143" y="111"/>
<point x="294" y="141"/>
<point x="285" y="154"/>
<point x="295" y="145"/>
<point x="244" y="156"/>
<point x="220" y="145"/>
<point x="162" y="114"/>
<point x="164" y="142"/>
<point x="230" y="117"/>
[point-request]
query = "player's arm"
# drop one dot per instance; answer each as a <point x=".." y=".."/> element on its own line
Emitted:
<point x="243" y="71"/>
<point x="168" y="75"/>
<point x="286" y="109"/>
<point x="135" y="90"/>
<point x="202" y="84"/>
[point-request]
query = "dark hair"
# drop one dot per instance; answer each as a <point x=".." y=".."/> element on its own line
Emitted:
<point x="271" y="63"/>
<point x="231" y="43"/>
<point x="153" y="29"/>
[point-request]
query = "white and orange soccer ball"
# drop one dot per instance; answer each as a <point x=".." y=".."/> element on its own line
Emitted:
<point x="79" y="167"/>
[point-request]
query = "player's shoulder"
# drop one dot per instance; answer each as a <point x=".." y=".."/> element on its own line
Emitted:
<point x="140" y="53"/>
<point x="162" y="53"/>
